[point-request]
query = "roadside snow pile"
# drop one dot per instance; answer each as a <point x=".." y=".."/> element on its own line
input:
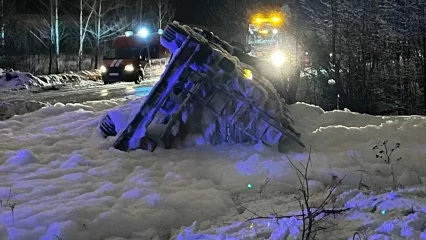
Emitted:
<point x="65" y="181"/>
<point x="22" y="80"/>
<point x="19" y="80"/>
<point x="92" y="75"/>
<point x="10" y="109"/>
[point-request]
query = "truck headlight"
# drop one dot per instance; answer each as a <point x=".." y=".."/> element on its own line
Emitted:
<point x="103" y="69"/>
<point x="129" y="68"/>
<point x="278" y="58"/>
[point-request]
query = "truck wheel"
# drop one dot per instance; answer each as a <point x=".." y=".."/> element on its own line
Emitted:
<point x="139" y="80"/>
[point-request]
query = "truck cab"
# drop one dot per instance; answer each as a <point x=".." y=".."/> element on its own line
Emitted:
<point x="129" y="57"/>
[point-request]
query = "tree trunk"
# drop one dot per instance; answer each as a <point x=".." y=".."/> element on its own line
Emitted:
<point x="57" y="36"/>
<point x="159" y="13"/>
<point x="293" y="86"/>
<point x="334" y="52"/>
<point x="2" y="28"/>
<point x="294" y="77"/>
<point x="424" y="72"/>
<point x="81" y="39"/>
<point x="98" y="35"/>
<point x="83" y="25"/>
<point x="140" y="12"/>
<point x="424" y="59"/>
<point x="52" y="37"/>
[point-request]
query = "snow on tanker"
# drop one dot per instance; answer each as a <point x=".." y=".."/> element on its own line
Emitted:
<point x="210" y="93"/>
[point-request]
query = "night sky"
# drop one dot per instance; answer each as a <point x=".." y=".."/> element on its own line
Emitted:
<point x="188" y="11"/>
<point x="196" y="11"/>
<point x="192" y="11"/>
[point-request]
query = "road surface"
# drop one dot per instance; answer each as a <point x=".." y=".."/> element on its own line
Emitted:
<point x="79" y="94"/>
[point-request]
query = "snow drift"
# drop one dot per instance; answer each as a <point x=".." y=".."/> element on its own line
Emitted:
<point x="67" y="181"/>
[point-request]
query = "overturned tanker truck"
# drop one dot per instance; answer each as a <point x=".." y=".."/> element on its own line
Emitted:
<point x="210" y="93"/>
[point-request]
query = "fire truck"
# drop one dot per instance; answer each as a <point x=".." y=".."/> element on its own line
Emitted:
<point x="132" y="56"/>
<point x="268" y="40"/>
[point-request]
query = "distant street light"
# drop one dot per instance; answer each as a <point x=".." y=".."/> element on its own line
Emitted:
<point x="333" y="82"/>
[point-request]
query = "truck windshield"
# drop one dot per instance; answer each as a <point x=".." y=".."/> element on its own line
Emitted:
<point x="132" y="53"/>
<point x="124" y="53"/>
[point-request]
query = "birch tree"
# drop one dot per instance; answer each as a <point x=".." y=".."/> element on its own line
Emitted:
<point x="49" y="29"/>
<point x="163" y="12"/>
<point x="56" y="33"/>
<point x="2" y="26"/>
<point x="8" y="20"/>
<point x="107" y="23"/>
<point x="83" y="26"/>
<point x="137" y="12"/>
<point x="140" y="6"/>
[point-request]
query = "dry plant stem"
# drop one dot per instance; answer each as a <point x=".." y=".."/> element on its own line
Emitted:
<point x="311" y="216"/>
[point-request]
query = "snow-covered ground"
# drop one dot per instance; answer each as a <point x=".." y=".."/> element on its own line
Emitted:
<point x="15" y="80"/>
<point x="60" y="180"/>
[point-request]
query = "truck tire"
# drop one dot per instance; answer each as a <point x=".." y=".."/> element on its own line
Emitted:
<point x="139" y="79"/>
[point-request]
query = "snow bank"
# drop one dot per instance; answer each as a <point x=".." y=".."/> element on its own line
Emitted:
<point x="10" y="109"/>
<point x="395" y="215"/>
<point x="67" y="181"/>
<point x="22" y="80"/>
<point x="93" y="75"/>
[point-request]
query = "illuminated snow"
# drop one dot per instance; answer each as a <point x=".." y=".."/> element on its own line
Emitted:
<point x="68" y="182"/>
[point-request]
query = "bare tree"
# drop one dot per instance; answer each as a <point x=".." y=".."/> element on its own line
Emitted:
<point x="8" y="21"/>
<point x="163" y="12"/>
<point x="233" y="15"/>
<point x="140" y="8"/>
<point x="83" y="25"/>
<point x="107" y="23"/>
<point x="376" y="53"/>
<point x="50" y="28"/>
<point x="56" y="33"/>
<point x="137" y="12"/>
<point x="2" y="25"/>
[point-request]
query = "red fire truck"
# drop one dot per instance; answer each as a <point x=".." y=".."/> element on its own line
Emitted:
<point x="130" y="55"/>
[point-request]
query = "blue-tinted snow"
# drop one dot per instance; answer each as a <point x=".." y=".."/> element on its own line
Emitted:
<point x="70" y="182"/>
